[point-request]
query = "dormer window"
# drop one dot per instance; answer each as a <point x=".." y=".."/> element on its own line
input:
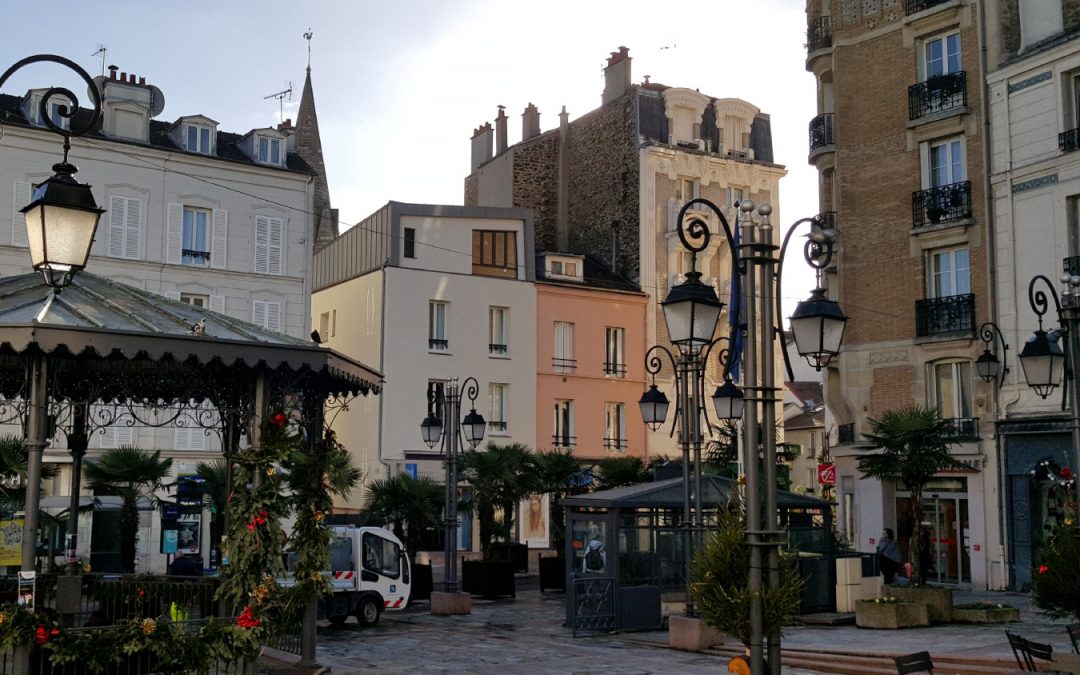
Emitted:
<point x="197" y="138"/>
<point x="32" y="109"/>
<point x="564" y="268"/>
<point x="268" y="150"/>
<point x="55" y="115"/>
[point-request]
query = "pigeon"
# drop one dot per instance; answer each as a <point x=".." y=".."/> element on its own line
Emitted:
<point x="315" y="337"/>
<point x="198" y="328"/>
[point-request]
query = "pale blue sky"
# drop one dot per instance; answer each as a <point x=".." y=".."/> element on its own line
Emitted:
<point x="401" y="85"/>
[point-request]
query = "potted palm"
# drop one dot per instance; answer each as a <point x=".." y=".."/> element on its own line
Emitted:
<point x="412" y="507"/>
<point x="559" y="475"/>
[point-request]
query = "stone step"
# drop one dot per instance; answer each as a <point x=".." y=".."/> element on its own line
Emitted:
<point x="855" y="663"/>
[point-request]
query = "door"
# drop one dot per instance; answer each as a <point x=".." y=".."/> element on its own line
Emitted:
<point x="384" y="568"/>
<point x="946" y="526"/>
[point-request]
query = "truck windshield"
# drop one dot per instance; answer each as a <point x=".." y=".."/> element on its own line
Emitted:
<point x="381" y="556"/>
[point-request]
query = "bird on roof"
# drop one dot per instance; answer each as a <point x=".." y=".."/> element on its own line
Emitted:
<point x="315" y="337"/>
<point x="198" y="328"/>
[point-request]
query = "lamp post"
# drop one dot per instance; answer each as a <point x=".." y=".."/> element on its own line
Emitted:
<point x="992" y="369"/>
<point x="1042" y="359"/>
<point x="691" y="311"/>
<point x="433" y="429"/>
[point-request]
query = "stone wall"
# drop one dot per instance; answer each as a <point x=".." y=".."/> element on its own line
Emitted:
<point x="536" y="186"/>
<point x="472" y="190"/>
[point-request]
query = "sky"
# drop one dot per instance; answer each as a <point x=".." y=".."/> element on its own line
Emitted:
<point x="400" y="86"/>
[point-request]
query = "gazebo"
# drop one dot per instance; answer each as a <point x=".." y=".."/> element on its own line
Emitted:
<point x="625" y="547"/>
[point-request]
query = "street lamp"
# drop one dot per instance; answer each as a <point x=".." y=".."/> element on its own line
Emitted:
<point x="988" y="365"/>
<point x="433" y="430"/>
<point x="62" y="216"/>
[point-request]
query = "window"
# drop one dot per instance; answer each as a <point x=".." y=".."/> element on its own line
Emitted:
<point x="615" y="433"/>
<point x="269" y="151"/>
<point x="117" y="436"/>
<point x="563" y="361"/>
<point x="734" y="195"/>
<point x="190" y="438"/>
<point x="196" y="300"/>
<point x="497" y="333"/>
<point x="57" y="118"/>
<point x="949" y="273"/>
<point x="564" y="425"/>
<point x="269" y="239"/>
<point x="195" y="245"/>
<point x="686" y="189"/>
<point x="686" y="263"/>
<point x="125" y="227"/>
<point x="435" y="391"/>
<point x="556" y="267"/>
<point x="410" y="242"/>
<point x="941" y="55"/>
<point x="614" y="355"/>
<point x="381" y="556"/>
<point x="266" y="314"/>
<point x="324" y="325"/>
<point x="497" y="393"/>
<point x="494" y="253"/>
<point x="946" y="163"/>
<point x="437" y="340"/>
<point x="197" y="137"/>
<point x="951" y="392"/>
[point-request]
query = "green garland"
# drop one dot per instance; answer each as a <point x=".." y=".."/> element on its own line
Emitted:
<point x="1054" y="583"/>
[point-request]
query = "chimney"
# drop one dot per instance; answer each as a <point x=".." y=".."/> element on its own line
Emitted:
<point x="530" y="122"/>
<point x="616" y="76"/>
<point x="1039" y="21"/>
<point x="286" y="125"/>
<point x="481" y="145"/>
<point x="112" y="72"/>
<point x="562" y="223"/>
<point x="127" y="105"/>
<point x="500" y="131"/>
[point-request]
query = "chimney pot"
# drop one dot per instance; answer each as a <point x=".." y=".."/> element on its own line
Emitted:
<point x="500" y="130"/>
<point x="142" y="80"/>
<point x="123" y="76"/>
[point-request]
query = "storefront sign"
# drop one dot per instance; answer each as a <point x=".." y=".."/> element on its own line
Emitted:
<point x="826" y="474"/>
<point x="971" y="465"/>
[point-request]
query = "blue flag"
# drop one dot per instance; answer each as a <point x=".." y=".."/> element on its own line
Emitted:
<point x="735" y="310"/>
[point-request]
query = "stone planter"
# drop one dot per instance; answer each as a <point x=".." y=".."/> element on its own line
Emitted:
<point x="940" y="600"/>
<point x="985" y="614"/>
<point x="869" y="614"/>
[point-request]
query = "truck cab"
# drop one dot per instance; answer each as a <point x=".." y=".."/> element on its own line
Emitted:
<point x="369" y="572"/>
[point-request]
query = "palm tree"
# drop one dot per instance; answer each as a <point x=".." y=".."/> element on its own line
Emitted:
<point x="613" y="472"/>
<point x="561" y="475"/>
<point x="128" y="472"/>
<point x="13" y="471"/>
<point x="411" y="505"/>
<point x="501" y="476"/>
<point x="910" y="447"/>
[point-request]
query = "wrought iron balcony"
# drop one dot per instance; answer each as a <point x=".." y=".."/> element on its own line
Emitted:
<point x="962" y="429"/>
<point x="953" y="315"/>
<point x="914" y="6"/>
<point x="438" y="345"/>
<point x="943" y="204"/>
<point x="1071" y="265"/>
<point x="564" y="365"/>
<point x="1069" y="140"/>
<point x="497" y="426"/>
<point x="845" y="433"/>
<point x="563" y="441"/>
<point x="194" y="257"/>
<point x="615" y="369"/>
<point x="496" y="349"/>
<point x="615" y="443"/>
<point x="819" y="34"/>
<point x="937" y="94"/>
<point x="821" y="131"/>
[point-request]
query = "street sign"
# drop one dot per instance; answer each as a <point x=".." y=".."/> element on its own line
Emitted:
<point x="826" y="474"/>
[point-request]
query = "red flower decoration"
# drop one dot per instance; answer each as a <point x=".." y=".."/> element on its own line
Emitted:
<point x="279" y="420"/>
<point x="1066" y="473"/>
<point x="246" y="620"/>
<point x="41" y="636"/>
<point x="251" y="526"/>
<point x="1043" y="569"/>
<point x="262" y="513"/>
<point x="260" y="521"/>
<point x="142" y="593"/>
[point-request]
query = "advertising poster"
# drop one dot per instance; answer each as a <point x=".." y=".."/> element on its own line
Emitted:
<point x="11" y="532"/>
<point x="188" y="533"/>
<point x="533" y="524"/>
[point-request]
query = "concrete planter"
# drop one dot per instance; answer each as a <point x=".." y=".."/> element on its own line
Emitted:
<point x="940" y="600"/>
<point x="985" y="614"/>
<point x="869" y="614"/>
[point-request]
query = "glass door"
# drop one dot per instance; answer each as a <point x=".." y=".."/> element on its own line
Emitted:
<point x="946" y="525"/>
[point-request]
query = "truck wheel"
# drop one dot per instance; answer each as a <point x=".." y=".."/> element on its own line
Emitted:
<point x="338" y="621"/>
<point x="368" y="612"/>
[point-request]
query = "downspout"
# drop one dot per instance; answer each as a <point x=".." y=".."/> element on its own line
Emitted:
<point x="382" y="364"/>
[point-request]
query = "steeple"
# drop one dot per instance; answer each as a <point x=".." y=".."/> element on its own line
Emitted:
<point x="308" y="145"/>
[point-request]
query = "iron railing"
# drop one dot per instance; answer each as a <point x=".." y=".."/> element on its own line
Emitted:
<point x="564" y="365"/>
<point x="962" y="429"/>
<point x="615" y="443"/>
<point x="563" y="441"/>
<point x="819" y="34"/>
<point x="497" y="426"/>
<point x="496" y="348"/>
<point x="614" y="369"/>
<point x="943" y="204"/>
<point x="914" y="6"/>
<point x="193" y="255"/>
<point x="1071" y="265"/>
<point x="937" y="94"/>
<point x="821" y="131"/>
<point x="437" y="344"/>
<point x="1069" y="140"/>
<point x="845" y="433"/>
<point x="953" y="315"/>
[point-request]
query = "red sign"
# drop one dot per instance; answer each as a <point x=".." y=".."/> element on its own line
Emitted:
<point x="826" y="474"/>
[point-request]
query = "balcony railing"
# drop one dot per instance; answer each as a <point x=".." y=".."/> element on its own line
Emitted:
<point x="615" y="443"/>
<point x="819" y="34"/>
<point x="821" y="131"/>
<point x="914" y="6"/>
<point x="1071" y="265"/>
<point x="564" y="365"/>
<point x="615" y="369"/>
<point x="497" y="426"/>
<point x="937" y="94"/>
<point x="962" y="429"/>
<point x="949" y="316"/>
<point x="563" y="441"/>
<point x="438" y="345"/>
<point x="194" y="257"/>
<point x="943" y="204"/>
<point x="1069" y="140"/>
<point x="496" y="349"/>
<point x="845" y="433"/>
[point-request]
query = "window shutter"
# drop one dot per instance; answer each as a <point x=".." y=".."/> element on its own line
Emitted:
<point x="133" y="219"/>
<point x="190" y="438"/>
<point x="273" y="316"/>
<point x="174" y="234"/>
<point x="18" y="220"/>
<point x="262" y="244"/>
<point x="117" y="436"/>
<point x="277" y="235"/>
<point x="220" y="238"/>
<point x="117" y="229"/>
<point x="217" y="303"/>
<point x="258" y="313"/>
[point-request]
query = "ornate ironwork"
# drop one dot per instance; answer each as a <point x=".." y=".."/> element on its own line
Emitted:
<point x="1038" y="300"/>
<point x="915" y="6"/>
<point x="1069" y="140"/>
<point x="1071" y="265"/>
<point x="821" y="131"/>
<point x="987" y="333"/>
<point x="614" y="368"/>
<point x="944" y="204"/>
<point x="962" y="428"/>
<point x="953" y="315"/>
<point x="937" y="94"/>
<point x="845" y="433"/>
<point x="819" y="34"/>
<point x="594" y="605"/>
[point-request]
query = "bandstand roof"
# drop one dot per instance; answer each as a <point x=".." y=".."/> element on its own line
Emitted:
<point x="668" y="494"/>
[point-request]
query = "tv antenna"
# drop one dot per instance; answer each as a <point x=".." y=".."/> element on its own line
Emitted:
<point x="102" y="50"/>
<point x="281" y="96"/>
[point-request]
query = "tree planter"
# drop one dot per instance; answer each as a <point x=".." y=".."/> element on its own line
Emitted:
<point x="870" y="614"/>
<point x="421" y="583"/>
<point x="972" y="614"/>
<point x="940" y="600"/>
<point x="488" y="579"/>
<point x="553" y="573"/>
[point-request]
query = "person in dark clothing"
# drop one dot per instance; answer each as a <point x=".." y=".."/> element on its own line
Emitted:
<point x="186" y="566"/>
<point x="888" y="554"/>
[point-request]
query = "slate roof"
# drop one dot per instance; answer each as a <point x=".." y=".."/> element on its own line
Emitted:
<point x="595" y="274"/>
<point x="227" y="150"/>
<point x="807" y="391"/>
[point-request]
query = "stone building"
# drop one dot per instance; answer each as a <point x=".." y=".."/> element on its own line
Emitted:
<point x="610" y="183"/>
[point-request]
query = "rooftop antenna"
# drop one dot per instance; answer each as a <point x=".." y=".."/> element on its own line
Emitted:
<point x="281" y="97"/>
<point x="307" y="36"/>
<point x="102" y="50"/>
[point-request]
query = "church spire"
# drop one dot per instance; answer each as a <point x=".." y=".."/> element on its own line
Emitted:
<point x="308" y="145"/>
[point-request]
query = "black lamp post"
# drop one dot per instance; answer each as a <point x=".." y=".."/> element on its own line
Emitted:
<point x="432" y="429"/>
<point x="989" y="367"/>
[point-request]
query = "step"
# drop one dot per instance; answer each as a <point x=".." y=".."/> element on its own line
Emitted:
<point x="855" y="663"/>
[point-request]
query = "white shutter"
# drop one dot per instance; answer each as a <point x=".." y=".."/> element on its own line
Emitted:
<point x="217" y="303"/>
<point x="273" y="316"/>
<point x="18" y="220"/>
<point x="219" y="240"/>
<point x="182" y="441"/>
<point x="276" y="248"/>
<point x="174" y="234"/>
<point x="117" y="229"/>
<point x="172" y="295"/>
<point x="262" y="244"/>
<point x="115" y="437"/>
<point x="133" y="217"/>
<point x="258" y="312"/>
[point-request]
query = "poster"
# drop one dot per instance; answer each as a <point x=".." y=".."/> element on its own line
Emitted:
<point x="188" y="533"/>
<point x="533" y="527"/>
<point x="11" y="532"/>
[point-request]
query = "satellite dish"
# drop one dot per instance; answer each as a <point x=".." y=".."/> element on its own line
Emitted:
<point x="157" y="101"/>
